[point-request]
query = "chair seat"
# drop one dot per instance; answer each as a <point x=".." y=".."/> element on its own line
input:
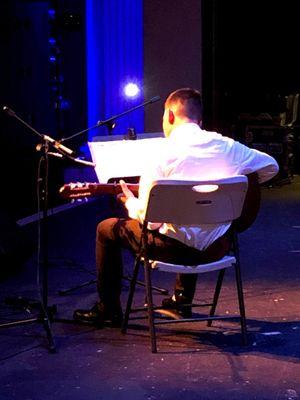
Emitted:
<point x="225" y="262"/>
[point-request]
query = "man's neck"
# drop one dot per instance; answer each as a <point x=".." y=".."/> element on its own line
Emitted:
<point x="182" y="127"/>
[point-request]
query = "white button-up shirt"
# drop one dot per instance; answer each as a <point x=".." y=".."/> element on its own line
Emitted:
<point x="191" y="153"/>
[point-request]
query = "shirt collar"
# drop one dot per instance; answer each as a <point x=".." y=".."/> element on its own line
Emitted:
<point x="184" y="129"/>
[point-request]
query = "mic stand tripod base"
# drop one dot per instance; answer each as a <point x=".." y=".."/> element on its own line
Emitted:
<point x="43" y="317"/>
<point x="64" y="292"/>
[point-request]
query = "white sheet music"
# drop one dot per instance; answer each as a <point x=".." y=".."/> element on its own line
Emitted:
<point x="122" y="158"/>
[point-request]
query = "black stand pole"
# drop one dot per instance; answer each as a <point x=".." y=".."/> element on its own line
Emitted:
<point x="43" y="264"/>
<point x="42" y="193"/>
<point x="42" y="267"/>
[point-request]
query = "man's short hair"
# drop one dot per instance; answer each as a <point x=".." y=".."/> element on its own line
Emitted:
<point x="188" y="102"/>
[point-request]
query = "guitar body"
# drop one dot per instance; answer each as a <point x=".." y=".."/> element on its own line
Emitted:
<point x="251" y="204"/>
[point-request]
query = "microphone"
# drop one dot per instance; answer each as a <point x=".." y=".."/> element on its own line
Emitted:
<point x="58" y="145"/>
<point x="85" y="162"/>
<point x="154" y="99"/>
<point x="9" y="111"/>
<point x="77" y="159"/>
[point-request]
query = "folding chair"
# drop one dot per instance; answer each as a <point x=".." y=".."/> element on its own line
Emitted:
<point x="191" y="203"/>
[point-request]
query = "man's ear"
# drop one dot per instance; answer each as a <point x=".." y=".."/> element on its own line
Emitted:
<point x="171" y="117"/>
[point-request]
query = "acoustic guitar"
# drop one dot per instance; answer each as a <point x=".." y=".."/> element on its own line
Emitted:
<point x="84" y="190"/>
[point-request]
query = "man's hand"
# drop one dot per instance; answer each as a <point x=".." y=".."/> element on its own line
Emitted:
<point x="131" y="202"/>
<point x="126" y="192"/>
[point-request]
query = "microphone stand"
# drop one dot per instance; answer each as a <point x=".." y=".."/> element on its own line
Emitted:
<point x="61" y="151"/>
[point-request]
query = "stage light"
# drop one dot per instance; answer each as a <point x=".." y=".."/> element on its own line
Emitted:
<point x="131" y="90"/>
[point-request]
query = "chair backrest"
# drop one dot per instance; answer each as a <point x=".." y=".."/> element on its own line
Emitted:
<point x="196" y="202"/>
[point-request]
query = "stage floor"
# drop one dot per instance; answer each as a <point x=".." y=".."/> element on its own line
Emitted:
<point x="193" y="361"/>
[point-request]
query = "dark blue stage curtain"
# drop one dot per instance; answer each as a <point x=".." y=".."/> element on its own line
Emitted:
<point x="114" y="36"/>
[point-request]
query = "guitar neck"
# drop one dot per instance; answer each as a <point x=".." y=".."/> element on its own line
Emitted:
<point x="80" y="190"/>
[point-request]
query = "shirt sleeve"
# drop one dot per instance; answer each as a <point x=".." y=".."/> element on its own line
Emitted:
<point x="252" y="160"/>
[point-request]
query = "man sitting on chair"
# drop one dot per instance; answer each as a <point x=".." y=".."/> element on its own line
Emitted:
<point x="191" y="153"/>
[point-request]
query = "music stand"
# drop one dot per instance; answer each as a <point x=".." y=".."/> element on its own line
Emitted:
<point x="117" y="158"/>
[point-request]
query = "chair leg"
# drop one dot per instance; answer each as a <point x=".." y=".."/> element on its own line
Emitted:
<point x="216" y="295"/>
<point x="147" y="267"/>
<point x="241" y="303"/>
<point x="131" y="294"/>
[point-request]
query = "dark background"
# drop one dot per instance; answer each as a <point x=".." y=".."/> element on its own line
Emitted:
<point x="49" y="96"/>
<point x="242" y="55"/>
<point x="172" y="51"/>
<point x="249" y="58"/>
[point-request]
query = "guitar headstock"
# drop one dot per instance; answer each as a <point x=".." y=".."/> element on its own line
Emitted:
<point x="77" y="190"/>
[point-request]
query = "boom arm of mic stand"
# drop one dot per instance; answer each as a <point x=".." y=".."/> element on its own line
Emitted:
<point x="106" y="122"/>
<point x="47" y="139"/>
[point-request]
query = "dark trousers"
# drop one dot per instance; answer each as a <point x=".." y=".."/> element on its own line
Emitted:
<point x="113" y="234"/>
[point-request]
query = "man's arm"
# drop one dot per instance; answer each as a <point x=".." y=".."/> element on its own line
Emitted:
<point x="251" y="160"/>
<point x="137" y="206"/>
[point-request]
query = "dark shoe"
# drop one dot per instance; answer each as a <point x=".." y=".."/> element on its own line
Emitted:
<point x="99" y="316"/>
<point x="178" y="304"/>
<point x="94" y="316"/>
